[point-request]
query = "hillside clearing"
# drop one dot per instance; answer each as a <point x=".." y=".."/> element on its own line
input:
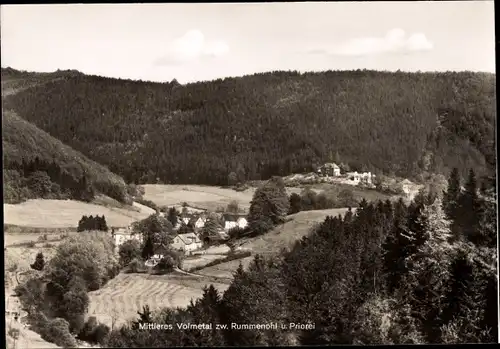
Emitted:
<point x="201" y="196"/>
<point x="285" y="235"/>
<point x="225" y="270"/>
<point x="67" y="213"/>
<point x="126" y="294"/>
<point x="282" y="236"/>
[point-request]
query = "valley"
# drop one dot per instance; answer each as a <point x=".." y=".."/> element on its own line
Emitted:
<point x="250" y="150"/>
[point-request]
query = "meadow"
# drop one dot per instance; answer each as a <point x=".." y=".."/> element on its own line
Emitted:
<point x="67" y="213"/>
<point x="284" y="235"/>
<point x="200" y="196"/>
<point x="126" y="294"/>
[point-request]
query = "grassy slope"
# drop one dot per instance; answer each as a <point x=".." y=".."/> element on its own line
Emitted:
<point x="42" y="213"/>
<point x="211" y="197"/>
<point x="126" y="294"/>
<point x="270" y="243"/>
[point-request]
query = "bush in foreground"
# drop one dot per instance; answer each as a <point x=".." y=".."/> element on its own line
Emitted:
<point x="93" y="332"/>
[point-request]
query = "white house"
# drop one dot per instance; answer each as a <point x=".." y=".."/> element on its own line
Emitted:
<point x="234" y="220"/>
<point x="197" y="221"/>
<point x="187" y="242"/>
<point x="200" y="222"/>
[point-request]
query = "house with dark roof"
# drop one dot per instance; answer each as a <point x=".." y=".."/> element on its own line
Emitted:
<point x="186" y="217"/>
<point x="329" y="169"/>
<point x="198" y="221"/>
<point x="186" y="242"/>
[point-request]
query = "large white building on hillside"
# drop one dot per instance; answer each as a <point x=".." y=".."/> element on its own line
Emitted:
<point x="356" y="178"/>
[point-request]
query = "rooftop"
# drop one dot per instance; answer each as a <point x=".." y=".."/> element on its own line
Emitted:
<point x="189" y="238"/>
<point x="233" y="216"/>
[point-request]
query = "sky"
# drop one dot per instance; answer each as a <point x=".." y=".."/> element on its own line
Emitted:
<point x="193" y="42"/>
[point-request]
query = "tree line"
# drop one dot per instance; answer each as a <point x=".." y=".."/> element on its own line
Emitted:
<point x="92" y="223"/>
<point x="308" y="200"/>
<point x="255" y="127"/>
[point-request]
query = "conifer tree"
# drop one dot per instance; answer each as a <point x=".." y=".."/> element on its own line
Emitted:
<point x="295" y="203"/>
<point x="469" y="209"/>
<point x="82" y="224"/>
<point x="148" y="249"/>
<point x="173" y="216"/>
<point x="450" y="197"/>
<point x="104" y="225"/>
<point x="489" y="321"/>
<point x="458" y="299"/>
<point x="429" y="269"/>
<point x="207" y="310"/>
<point x="39" y="262"/>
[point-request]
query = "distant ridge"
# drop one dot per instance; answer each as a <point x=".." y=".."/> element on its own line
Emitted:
<point x="273" y="123"/>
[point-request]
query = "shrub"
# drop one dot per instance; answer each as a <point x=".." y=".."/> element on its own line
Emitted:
<point x="93" y="332"/>
<point x="100" y="333"/>
<point x="135" y="266"/>
<point x="171" y="259"/>
<point x="31" y="244"/>
<point x="89" y="256"/>
<point x="166" y="264"/>
<point x="87" y="329"/>
<point x="236" y="232"/>
<point x="58" y="332"/>
<point x="39" y="262"/>
<point x="128" y="251"/>
<point x="148" y="203"/>
<point x="233" y="207"/>
<point x="13" y="267"/>
<point x="241" y="187"/>
<point x="55" y="331"/>
<point x="42" y="238"/>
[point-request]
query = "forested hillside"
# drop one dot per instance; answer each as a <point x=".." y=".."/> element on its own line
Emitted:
<point x="271" y="124"/>
<point x="36" y="165"/>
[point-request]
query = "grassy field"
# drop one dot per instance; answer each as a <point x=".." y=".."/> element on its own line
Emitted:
<point x="286" y="234"/>
<point x="225" y="270"/>
<point x="359" y="193"/>
<point x="126" y="294"/>
<point x="207" y="197"/>
<point x="67" y="213"/>
<point x="201" y="196"/>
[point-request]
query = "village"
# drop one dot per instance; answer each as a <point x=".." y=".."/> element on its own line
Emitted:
<point x="190" y="237"/>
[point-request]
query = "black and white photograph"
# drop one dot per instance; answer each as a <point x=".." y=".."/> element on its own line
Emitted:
<point x="249" y="174"/>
